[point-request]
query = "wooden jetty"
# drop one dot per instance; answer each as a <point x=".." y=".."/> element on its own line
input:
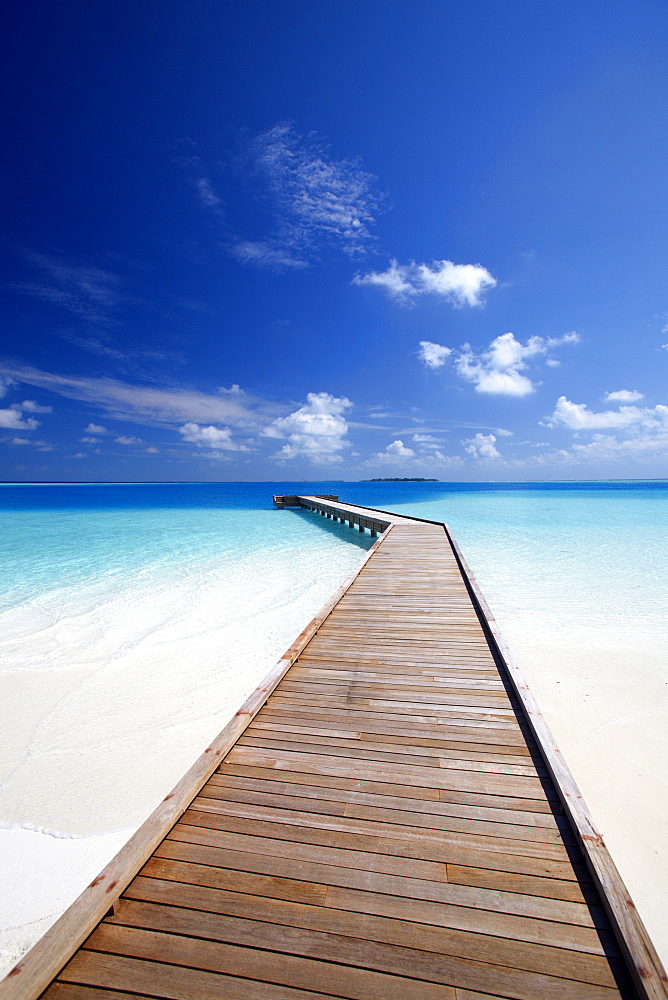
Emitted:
<point x="386" y="818"/>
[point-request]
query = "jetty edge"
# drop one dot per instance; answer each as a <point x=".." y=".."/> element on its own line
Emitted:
<point x="408" y="621"/>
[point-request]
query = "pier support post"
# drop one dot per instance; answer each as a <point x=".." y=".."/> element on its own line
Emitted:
<point x="362" y="528"/>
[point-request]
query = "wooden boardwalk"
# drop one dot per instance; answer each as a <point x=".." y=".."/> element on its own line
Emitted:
<point x="383" y="826"/>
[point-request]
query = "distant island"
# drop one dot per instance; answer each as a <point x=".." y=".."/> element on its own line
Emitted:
<point x="398" y="479"/>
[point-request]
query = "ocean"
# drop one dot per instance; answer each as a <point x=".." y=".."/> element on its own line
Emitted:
<point x="136" y="618"/>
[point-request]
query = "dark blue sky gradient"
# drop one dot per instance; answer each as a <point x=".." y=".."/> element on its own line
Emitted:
<point x="527" y="139"/>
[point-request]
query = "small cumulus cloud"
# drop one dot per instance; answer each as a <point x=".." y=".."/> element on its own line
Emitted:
<point x="396" y="453"/>
<point x="500" y="368"/>
<point x="316" y="431"/>
<point x="632" y="433"/>
<point x="460" y="284"/>
<point x="433" y="355"/>
<point x="152" y="450"/>
<point x="424" y="456"/>
<point x="482" y="446"/>
<point x="623" y="396"/>
<point x="233" y="390"/>
<point x="210" y="437"/>
<point x="32" y="407"/>
<point x="95" y="429"/>
<point x="12" y="419"/>
<point x="578" y="416"/>
<point x="128" y="440"/>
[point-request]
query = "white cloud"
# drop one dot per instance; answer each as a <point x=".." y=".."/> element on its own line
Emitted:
<point x="207" y="195"/>
<point x="267" y="255"/>
<point x="150" y="405"/>
<point x="402" y="456"/>
<point x="95" y="429"/>
<point x="623" y="396"/>
<point x="40" y="445"/>
<point x="499" y="369"/>
<point x="210" y="437"/>
<point x="5" y="384"/>
<point x="11" y="419"/>
<point x="399" y="450"/>
<point x="460" y="284"/>
<point x="32" y="407"/>
<point x="482" y="446"/>
<point x="630" y="433"/>
<point x="636" y="447"/>
<point x="152" y="451"/>
<point x="578" y="417"/>
<point x="128" y="439"/>
<point x="315" y="201"/>
<point x="433" y="355"/>
<point x="83" y="289"/>
<point x="396" y="453"/>
<point x="315" y="431"/>
<point x="89" y="440"/>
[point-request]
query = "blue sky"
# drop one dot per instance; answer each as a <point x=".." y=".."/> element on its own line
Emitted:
<point x="257" y="240"/>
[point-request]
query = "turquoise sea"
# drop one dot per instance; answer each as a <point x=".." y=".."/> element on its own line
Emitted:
<point x="136" y="617"/>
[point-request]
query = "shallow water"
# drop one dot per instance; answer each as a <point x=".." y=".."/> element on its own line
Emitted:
<point x="135" y="619"/>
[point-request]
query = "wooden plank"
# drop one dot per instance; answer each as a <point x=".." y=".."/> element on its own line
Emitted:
<point x="396" y="773"/>
<point x="426" y="860"/>
<point x="379" y="787"/>
<point x="158" y="979"/>
<point x="253" y="963"/>
<point x="294" y="957"/>
<point x="71" y="991"/>
<point x="342" y="936"/>
<point x="478" y="911"/>
<point x="548" y="899"/>
<point x="388" y="736"/>
<point x="267" y="782"/>
<point x="443" y="840"/>
<point x="406" y="753"/>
